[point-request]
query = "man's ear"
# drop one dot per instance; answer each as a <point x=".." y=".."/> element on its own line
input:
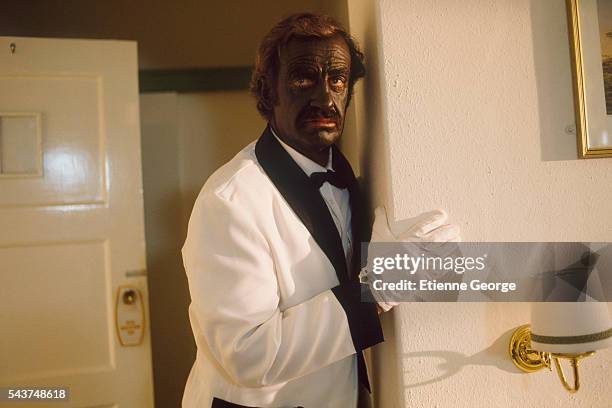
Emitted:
<point x="267" y="95"/>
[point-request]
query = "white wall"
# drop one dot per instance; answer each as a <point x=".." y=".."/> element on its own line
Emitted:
<point x="466" y="109"/>
<point x="172" y="345"/>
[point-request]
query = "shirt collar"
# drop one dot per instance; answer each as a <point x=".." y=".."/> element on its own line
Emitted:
<point x="307" y="165"/>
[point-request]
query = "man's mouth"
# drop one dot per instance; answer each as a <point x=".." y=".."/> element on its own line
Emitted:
<point x="320" y="123"/>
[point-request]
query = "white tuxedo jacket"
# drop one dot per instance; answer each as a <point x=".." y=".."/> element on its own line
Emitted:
<point x="277" y="317"/>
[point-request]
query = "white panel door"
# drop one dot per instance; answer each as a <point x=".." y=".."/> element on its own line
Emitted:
<point x="71" y="222"/>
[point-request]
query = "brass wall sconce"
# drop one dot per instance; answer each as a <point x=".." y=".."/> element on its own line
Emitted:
<point x="529" y="360"/>
<point x="565" y="331"/>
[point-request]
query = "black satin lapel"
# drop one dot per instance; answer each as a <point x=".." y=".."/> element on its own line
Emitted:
<point x="303" y="198"/>
<point x="342" y="166"/>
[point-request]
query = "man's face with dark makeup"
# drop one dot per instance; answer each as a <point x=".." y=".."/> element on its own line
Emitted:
<point x="312" y="91"/>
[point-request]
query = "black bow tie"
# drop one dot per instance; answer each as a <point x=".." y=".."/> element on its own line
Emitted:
<point x="329" y="176"/>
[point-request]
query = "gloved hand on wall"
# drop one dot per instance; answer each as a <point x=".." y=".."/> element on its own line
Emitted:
<point x="426" y="227"/>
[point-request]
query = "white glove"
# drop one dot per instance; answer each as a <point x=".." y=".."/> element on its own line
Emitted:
<point x="427" y="227"/>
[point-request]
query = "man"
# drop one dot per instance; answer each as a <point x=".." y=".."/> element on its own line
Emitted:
<point x="273" y="243"/>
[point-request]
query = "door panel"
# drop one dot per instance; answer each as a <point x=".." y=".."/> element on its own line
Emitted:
<point x="71" y="220"/>
<point x="76" y="342"/>
<point x="72" y="124"/>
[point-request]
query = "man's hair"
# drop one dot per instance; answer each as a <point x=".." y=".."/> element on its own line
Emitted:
<point x="301" y="26"/>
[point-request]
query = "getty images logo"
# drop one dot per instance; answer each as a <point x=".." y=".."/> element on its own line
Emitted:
<point x="413" y="264"/>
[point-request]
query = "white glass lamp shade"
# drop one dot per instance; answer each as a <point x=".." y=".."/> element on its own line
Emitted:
<point x="572" y="327"/>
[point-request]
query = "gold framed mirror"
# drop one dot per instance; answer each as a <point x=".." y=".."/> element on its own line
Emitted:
<point x="590" y="34"/>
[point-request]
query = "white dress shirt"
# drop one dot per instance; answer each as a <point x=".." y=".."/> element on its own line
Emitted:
<point x="336" y="199"/>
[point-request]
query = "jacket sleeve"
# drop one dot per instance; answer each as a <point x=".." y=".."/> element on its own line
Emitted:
<point x="235" y="303"/>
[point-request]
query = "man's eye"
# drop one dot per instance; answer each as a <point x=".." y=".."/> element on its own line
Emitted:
<point x="339" y="81"/>
<point x="302" y="82"/>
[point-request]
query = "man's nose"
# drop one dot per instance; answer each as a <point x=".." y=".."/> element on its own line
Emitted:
<point x="322" y="98"/>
